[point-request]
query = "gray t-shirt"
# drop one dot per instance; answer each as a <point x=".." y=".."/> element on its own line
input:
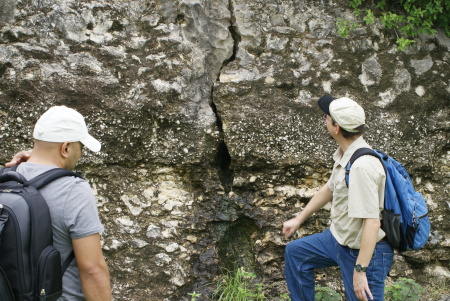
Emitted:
<point x="74" y="215"/>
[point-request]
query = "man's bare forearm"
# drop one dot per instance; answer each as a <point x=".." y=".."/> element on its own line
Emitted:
<point x="318" y="201"/>
<point x="368" y="241"/>
<point x="96" y="284"/>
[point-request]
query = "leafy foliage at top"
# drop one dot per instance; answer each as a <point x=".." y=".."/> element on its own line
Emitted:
<point x="408" y="18"/>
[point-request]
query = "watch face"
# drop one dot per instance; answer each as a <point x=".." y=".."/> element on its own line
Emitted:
<point x="360" y="268"/>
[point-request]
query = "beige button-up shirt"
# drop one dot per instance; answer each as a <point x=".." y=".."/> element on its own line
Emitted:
<point x="363" y="199"/>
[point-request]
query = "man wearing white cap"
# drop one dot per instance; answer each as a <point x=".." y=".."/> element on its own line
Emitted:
<point x="354" y="241"/>
<point x="59" y="136"/>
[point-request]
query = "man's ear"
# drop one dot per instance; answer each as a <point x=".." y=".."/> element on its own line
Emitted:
<point x="337" y="128"/>
<point x="65" y="149"/>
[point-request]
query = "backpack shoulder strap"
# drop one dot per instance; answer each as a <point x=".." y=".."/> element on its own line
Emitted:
<point x="10" y="174"/>
<point x="362" y="152"/>
<point x="13" y="176"/>
<point x="67" y="262"/>
<point x="45" y="178"/>
<point x="358" y="153"/>
<point x="5" y="169"/>
<point x="50" y="175"/>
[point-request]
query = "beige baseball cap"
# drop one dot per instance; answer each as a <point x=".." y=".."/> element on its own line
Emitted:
<point x="62" y="124"/>
<point x="347" y="113"/>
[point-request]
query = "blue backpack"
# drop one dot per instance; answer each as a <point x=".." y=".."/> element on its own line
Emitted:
<point x="405" y="216"/>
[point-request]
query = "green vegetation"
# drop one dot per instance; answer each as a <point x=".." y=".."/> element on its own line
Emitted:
<point x="344" y="27"/>
<point x="242" y="286"/>
<point x="404" y="289"/>
<point x="408" y="18"/>
<point x="194" y="295"/>
<point x="326" y="294"/>
<point x="238" y="286"/>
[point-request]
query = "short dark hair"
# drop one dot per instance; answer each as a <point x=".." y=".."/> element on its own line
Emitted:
<point x="348" y="135"/>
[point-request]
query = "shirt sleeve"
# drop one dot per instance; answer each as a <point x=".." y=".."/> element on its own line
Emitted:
<point x="330" y="182"/>
<point x="366" y="189"/>
<point x="80" y="213"/>
<point x="330" y="185"/>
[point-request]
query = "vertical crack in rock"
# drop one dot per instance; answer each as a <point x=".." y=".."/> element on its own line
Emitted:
<point x="235" y="243"/>
<point x="234" y="34"/>
<point x="223" y="159"/>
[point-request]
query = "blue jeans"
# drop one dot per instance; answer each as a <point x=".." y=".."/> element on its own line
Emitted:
<point x="321" y="250"/>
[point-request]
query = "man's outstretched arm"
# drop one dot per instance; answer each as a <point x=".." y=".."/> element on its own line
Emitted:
<point x="320" y="199"/>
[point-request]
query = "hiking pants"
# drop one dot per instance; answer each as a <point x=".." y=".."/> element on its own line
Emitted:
<point x="321" y="250"/>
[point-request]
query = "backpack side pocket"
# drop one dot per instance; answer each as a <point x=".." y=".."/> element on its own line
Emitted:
<point x="391" y="225"/>
<point x="50" y="277"/>
<point x="5" y="288"/>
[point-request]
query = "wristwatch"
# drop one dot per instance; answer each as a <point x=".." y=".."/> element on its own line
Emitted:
<point x="360" y="268"/>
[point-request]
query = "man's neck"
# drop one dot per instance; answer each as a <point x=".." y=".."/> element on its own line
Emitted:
<point x="47" y="159"/>
<point x="344" y="143"/>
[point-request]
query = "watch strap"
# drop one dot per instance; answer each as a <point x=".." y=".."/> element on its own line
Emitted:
<point x="360" y="268"/>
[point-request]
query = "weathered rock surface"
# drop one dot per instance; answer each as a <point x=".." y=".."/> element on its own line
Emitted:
<point x="211" y="135"/>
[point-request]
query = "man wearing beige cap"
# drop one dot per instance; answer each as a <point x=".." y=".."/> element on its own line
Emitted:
<point x="354" y="241"/>
<point x="59" y="136"/>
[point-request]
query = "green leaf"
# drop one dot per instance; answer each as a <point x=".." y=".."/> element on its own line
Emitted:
<point x="369" y="18"/>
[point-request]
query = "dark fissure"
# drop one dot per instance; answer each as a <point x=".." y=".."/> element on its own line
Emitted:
<point x="223" y="159"/>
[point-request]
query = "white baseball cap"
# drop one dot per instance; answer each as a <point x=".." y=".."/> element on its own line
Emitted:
<point x="63" y="124"/>
<point x="347" y="113"/>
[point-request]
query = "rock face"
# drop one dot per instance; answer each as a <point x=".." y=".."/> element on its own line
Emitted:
<point x="210" y="130"/>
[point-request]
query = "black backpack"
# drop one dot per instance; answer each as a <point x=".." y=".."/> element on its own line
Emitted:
<point x="30" y="267"/>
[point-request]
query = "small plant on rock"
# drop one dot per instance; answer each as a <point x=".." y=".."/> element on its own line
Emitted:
<point x="326" y="294"/>
<point x="194" y="295"/>
<point x="238" y="286"/>
<point x="345" y="26"/>
<point x="403" y="289"/>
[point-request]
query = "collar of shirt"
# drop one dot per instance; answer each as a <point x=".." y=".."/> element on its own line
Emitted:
<point x="342" y="159"/>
